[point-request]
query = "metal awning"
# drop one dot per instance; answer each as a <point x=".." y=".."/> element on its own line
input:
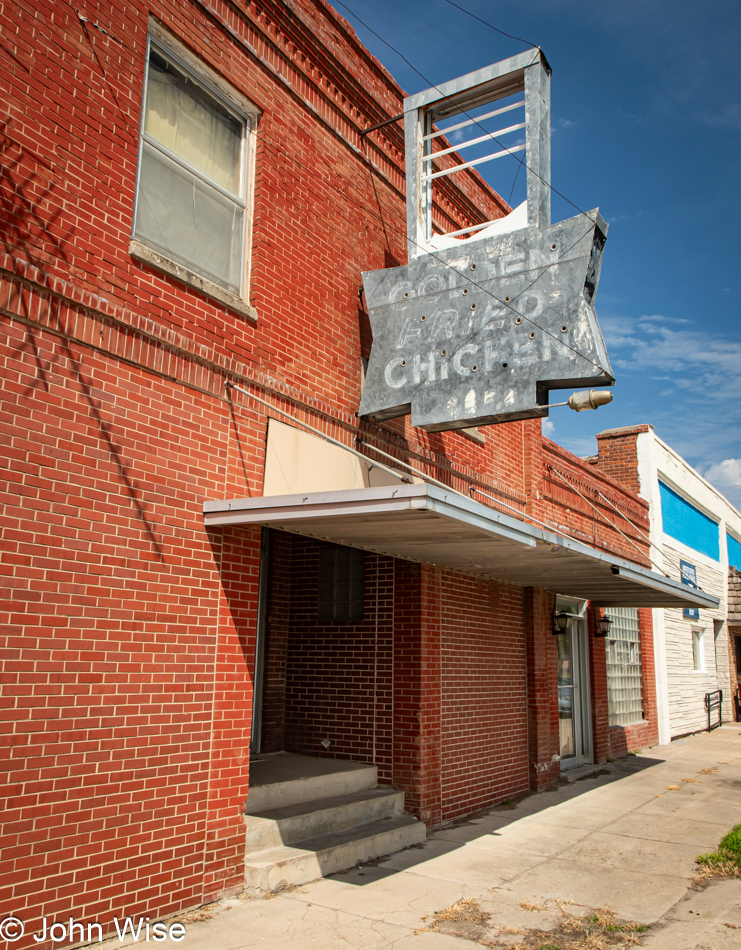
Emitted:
<point x="428" y="524"/>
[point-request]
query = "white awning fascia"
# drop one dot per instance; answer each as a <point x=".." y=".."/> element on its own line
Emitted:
<point x="428" y="524"/>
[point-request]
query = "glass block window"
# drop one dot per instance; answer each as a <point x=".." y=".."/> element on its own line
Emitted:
<point x="624" y="674"/>
<point x="341" y="585"/>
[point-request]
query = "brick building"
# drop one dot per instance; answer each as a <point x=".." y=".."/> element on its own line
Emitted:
<point x="188" y="202"/>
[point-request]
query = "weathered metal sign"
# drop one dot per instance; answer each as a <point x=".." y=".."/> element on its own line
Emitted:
<point x="479" y="334"/>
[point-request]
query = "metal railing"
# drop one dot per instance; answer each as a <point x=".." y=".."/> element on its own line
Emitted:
<point x="713" y="702"/>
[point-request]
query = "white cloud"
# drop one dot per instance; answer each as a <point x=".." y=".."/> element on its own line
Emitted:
<point x="727" y="472"/>
<point x="548" y="428"/>
<point x="726" y="477"/>
<point x="687" y="383"/>
<point x="560" y="124"/>
<point x="704" y="364"/>
<point x="660" y="318"/>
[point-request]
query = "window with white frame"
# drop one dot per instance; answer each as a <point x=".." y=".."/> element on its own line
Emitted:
<point x="624" y="674"/>
<point x="192" y="202"/>
<point x="698" y="651"/>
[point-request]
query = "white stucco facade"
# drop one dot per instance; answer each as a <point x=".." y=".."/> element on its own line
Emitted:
<point x="691" y="654"/>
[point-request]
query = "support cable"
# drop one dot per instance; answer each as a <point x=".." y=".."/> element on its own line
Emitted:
<point x="602" y="516"/>
<point x="632" y="524"/>
<point x="420" y="474"/>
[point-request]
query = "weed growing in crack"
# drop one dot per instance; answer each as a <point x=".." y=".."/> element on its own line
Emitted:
<point x="726" y="861"/>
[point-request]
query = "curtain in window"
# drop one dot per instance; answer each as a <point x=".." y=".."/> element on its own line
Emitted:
<point x="194" y="126"/>
<point x="179" y="212"/>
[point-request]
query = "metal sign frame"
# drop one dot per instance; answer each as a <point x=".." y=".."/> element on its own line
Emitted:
<point x="527" y="72"/>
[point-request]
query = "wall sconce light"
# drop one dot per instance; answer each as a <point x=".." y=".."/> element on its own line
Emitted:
<point x="561" y="621"/>
<point x="603" y="623"/>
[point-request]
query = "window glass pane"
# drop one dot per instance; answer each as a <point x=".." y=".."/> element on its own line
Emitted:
<point x="565" y="666"/>
<point x="688" y="524"/>
<point x="624" y="674"/>
<point x="193" y="125"/>
<point x="188" y="220"/>
<point x="697" y="651"/>
<point x="341" y="585"/>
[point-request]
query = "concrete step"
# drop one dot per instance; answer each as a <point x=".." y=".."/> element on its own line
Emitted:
<point x="273" y="869"/>
<point x="302" y="820"/>
<point x="279" y="782"/>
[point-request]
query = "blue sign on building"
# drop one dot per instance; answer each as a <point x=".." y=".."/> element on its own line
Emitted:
<point x="734" y="551"/>
<point x="686" y="523"/>
<point x="689" y="577"/>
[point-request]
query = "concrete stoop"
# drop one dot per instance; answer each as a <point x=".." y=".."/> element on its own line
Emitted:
<point x="320" y="824"/>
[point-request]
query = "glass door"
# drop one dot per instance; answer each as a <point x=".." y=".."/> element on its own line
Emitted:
<point x="575" y="738"/>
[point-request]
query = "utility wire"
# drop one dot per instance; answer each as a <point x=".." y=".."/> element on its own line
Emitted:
<point x="492" y="27"/>
<point x="512" y="37"/>
<point x="430" y="479"/>
<point x="634" y="525"/>
<point x="504" y="303"/>
<point x="508" y="305"/>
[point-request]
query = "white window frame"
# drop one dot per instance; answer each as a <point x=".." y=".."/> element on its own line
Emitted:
<point x="698" y="650"/>
<point x="248" y="114"/>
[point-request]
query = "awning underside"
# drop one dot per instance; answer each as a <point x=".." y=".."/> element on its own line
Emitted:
<point x="427" y="524"/>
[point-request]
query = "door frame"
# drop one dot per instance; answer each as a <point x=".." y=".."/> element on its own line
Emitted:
<point x="580" y="659"/>
<point x="258" y="686"/>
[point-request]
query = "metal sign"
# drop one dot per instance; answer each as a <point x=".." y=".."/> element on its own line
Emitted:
<point x="480" y="331"/>
<point x="688" y="573"/>
<point x="478" y="336"/>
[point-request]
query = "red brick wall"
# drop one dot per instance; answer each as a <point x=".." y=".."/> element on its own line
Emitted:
<point x="416" y="696"/>
<point x="590" y="505"/>
<point x="544" y="742"/>
<point x="237" y="556"/>
<point x="277" y="631"/>
<point x="618" y="459"/>
<point x="339" y="676"/>
<point x="640" y="735"/>
<point x="130" y="630"/>
<point x="618" y="455"/>
<point x="449" y="655"/>
<point x="483" y="689"/>
<point x="128" y="636"/>
<point x="598" y="691"/>
<point x="460" y="688"/>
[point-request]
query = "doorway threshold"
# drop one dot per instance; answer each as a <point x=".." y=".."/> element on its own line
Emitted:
<point x="579" y="772"/>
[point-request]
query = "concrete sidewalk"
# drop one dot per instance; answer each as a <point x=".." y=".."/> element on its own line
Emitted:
<point x="625" y="837"/>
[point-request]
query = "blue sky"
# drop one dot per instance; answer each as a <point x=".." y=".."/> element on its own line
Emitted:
<point x="646" y="100"/>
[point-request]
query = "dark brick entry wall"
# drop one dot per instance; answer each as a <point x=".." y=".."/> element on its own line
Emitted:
<point x="432" y="685"/>
<point x="328" y="681"/>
